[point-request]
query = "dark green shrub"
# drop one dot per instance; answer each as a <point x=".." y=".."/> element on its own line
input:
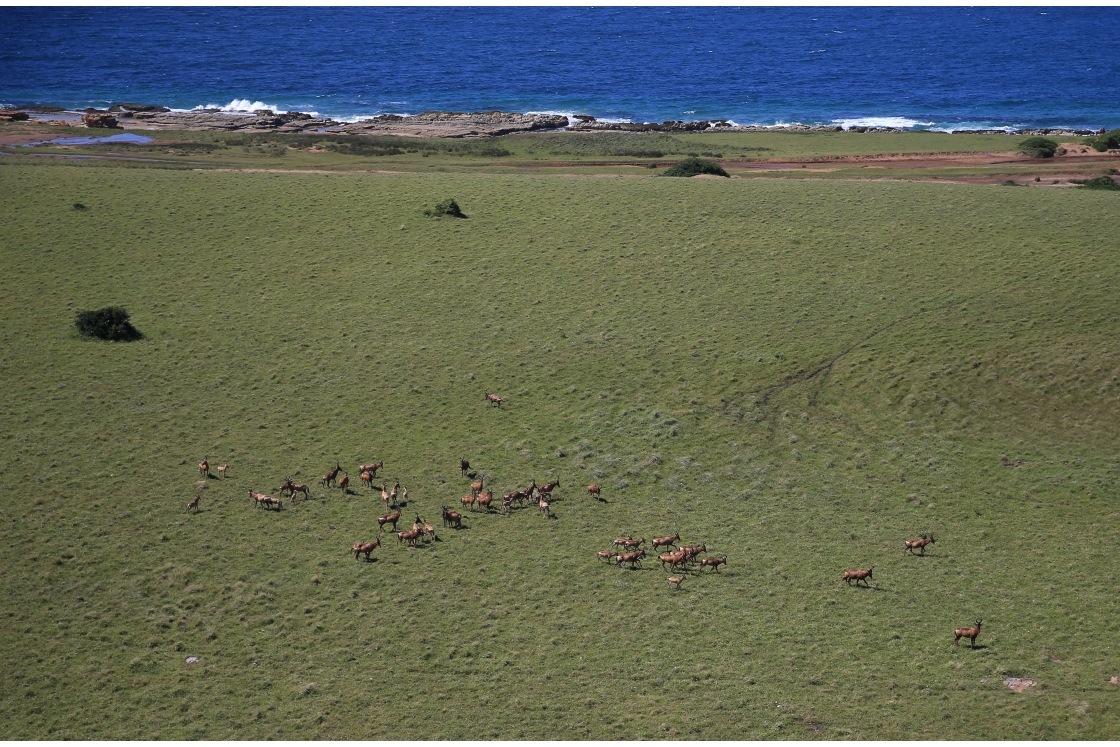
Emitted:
<point x="80" y="206"/>
<point x="694" y="166"/>
<point x="1038" y="147"/>
<point x="447" y="207"/>
<point x="1101" y="182"/>
<point x="1009" y="183"/>
<point x="1106" y="141"/>
<point x="109" y="323"/>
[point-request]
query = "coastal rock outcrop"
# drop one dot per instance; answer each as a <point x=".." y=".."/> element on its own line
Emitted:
<point x="99" y="120"/>
<point x="9" y="115"/>
<point x="455" y="124"/>
<point x="590" y="123"/>
<point x="126" y="110"/>
<point x="214" y="120"/>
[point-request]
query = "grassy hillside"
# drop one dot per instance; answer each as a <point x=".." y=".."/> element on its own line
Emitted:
<point x="801" y="374"/>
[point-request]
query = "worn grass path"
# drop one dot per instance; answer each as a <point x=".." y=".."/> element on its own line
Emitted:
<point x="799" y="374"/>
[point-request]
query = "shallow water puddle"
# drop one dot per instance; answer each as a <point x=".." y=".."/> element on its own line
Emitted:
<point x="127" y="137"/>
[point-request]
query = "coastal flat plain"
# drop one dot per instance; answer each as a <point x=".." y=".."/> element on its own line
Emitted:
<point x="800" y="374"/>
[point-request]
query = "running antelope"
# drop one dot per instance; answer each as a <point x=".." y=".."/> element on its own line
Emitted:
<point x="691" y="551"/>
<point x="858" y="575"/>
<point x="392" y="518"/>
<point x="666" y="541"/>
<point x="919" y="544"/>
<point x="546" y="489"/>
<point x="675" y="582"/>
<point x="673" y="559"/>
<point x="194" y="504"/>
<point x="714" y="563"/>
<point x="204" y="467"/>
<point x="621" y="541"/>
<point x="633" y="558"/>
<point x="494" y="399"/>
<point x="969" y="633"/>
<point x="607" y="555"/>
<point x="632" y="544"/>
<point x="365" y="547"/>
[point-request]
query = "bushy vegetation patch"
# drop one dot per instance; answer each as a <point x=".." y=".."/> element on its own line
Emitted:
<point x="109" y="323"/>
<point x="1039" y="147"/>
<point x="1106" y="141"/>
<point x="1101" y="182"/>
<point x="695" y="167"/>
<point x="447" y="207"/>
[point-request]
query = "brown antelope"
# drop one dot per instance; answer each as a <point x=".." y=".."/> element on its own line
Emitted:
<point x="494" y="399"/>
<point x="393" y="492"/>
<point x="507" y="504"/>
<point x="410" y="537"/>
<point x="430" y="531"/>
<point x="367" y="478"/>
<point x="673" y="559"/>
<point x="632" y="544"/>
<point x="691" y="551"/>
<point x="344" y="482"/>
<point x="476" y="487"/>
<point x="222" y="470"/>
<point x="675" y="582"/>
<point x="260" y="498"/>
<point x="621" y="541"/>
<point x="464" y="466"/>
<point x="404" y="496"/>
<point x="272" y="502"/>
<point x="452" y="518"/>
<point x="969" y="633"/>
<point x="714" y="563"/>
<point x="194" y="504"/>
<point x="919" y="544"/>
<point x="330" y="476"/>
<point x="204" y="468"/>
<point x="593" y="490"/>
<point x="371" y="468"/>
<point x="485" y="499"/>
<point x="545" y="491"/>
<point x="607" y="555"/>
<point x="384" y="495"/>
<point x="365" y="547"/>
<point x="469" y="500"/>
<point x="542" y="504"/>
<point x="858" y="575"/>
<point x="633" y="558"/>
<point x="666" y="541"/>
<point x="392" y="518"/>
<point x="295" y="487"/>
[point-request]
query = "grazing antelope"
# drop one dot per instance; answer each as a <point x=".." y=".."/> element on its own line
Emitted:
<point x="485" y="499"/>
<point x="476" y="487"/>
<point x="969" y="633"/>
<point x="464" y="466"/>
<point x="344" y="483"/>
<point x="713" y="563"/>
<point x="371" y="468"/>
<point x="392" y="518"/>
<point x="633" y="558"/>
<point x="911" y="545"/>
<point x="366" y="547"/>
<point x="542" y="504"/>
<point x="452" y="518"/>
<point x="607" y="555"/>
<point x="222" y="470"/>
<point x="494" y="399"/>
<point x="194" y="504"/>
<point x="666" y="541"/>
<point x="858" y="575"/>
<point x="675" y="582"/>
<point x="469" y="500"/>
<point x="367" y="478"/>
<point x="330" y="476"/>
<point x="204" y="467"/>
<point x="593" y="490"/>
<point x="673" y="559"/>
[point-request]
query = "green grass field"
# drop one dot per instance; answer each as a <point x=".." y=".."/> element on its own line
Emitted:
<point x="800" y="374"/>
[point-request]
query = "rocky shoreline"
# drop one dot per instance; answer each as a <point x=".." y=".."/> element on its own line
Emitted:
<point x="426" y="125"/>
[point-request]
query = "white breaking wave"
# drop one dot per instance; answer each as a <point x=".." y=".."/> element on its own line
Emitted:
<point x="239" y="106"/>
<point x="900" y="123"/>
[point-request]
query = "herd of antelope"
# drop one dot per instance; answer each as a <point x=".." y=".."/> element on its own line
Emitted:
<point x="625" y="551"/>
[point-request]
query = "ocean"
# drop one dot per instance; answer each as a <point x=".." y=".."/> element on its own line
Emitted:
<point x="919" y="68"/>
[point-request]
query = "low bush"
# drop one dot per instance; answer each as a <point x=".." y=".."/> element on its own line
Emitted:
<point x="695" y="166"/>
<point x="447" y="207"/>
<point x="1039" y="147"/>
<point x="1009" y="183"/>
<point x="1101" y="182"/>
<point x="1105" y="141"/>
<point x="109" y="323"/>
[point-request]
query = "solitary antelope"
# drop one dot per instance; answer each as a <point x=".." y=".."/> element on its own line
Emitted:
<point x="675" y="582"/>
<point x="494" y="399"/>
<point x="366" y="547"/>
<point x="593" y="490"/>
<point x="666" y="541"/>
<point x="464" y="466"/>
<point x="194" y="504"/>
<point x="392" y="518"/>
<point x="222" y="470"/>
<point x="713" y="563"/>
<point x="858" y="575"/>
<point x="204" y="467"/>
<point x="911" y="545"/>
<point x="969" y="633"/>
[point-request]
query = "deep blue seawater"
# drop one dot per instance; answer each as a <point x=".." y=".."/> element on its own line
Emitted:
<point x="936" y="68"/>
